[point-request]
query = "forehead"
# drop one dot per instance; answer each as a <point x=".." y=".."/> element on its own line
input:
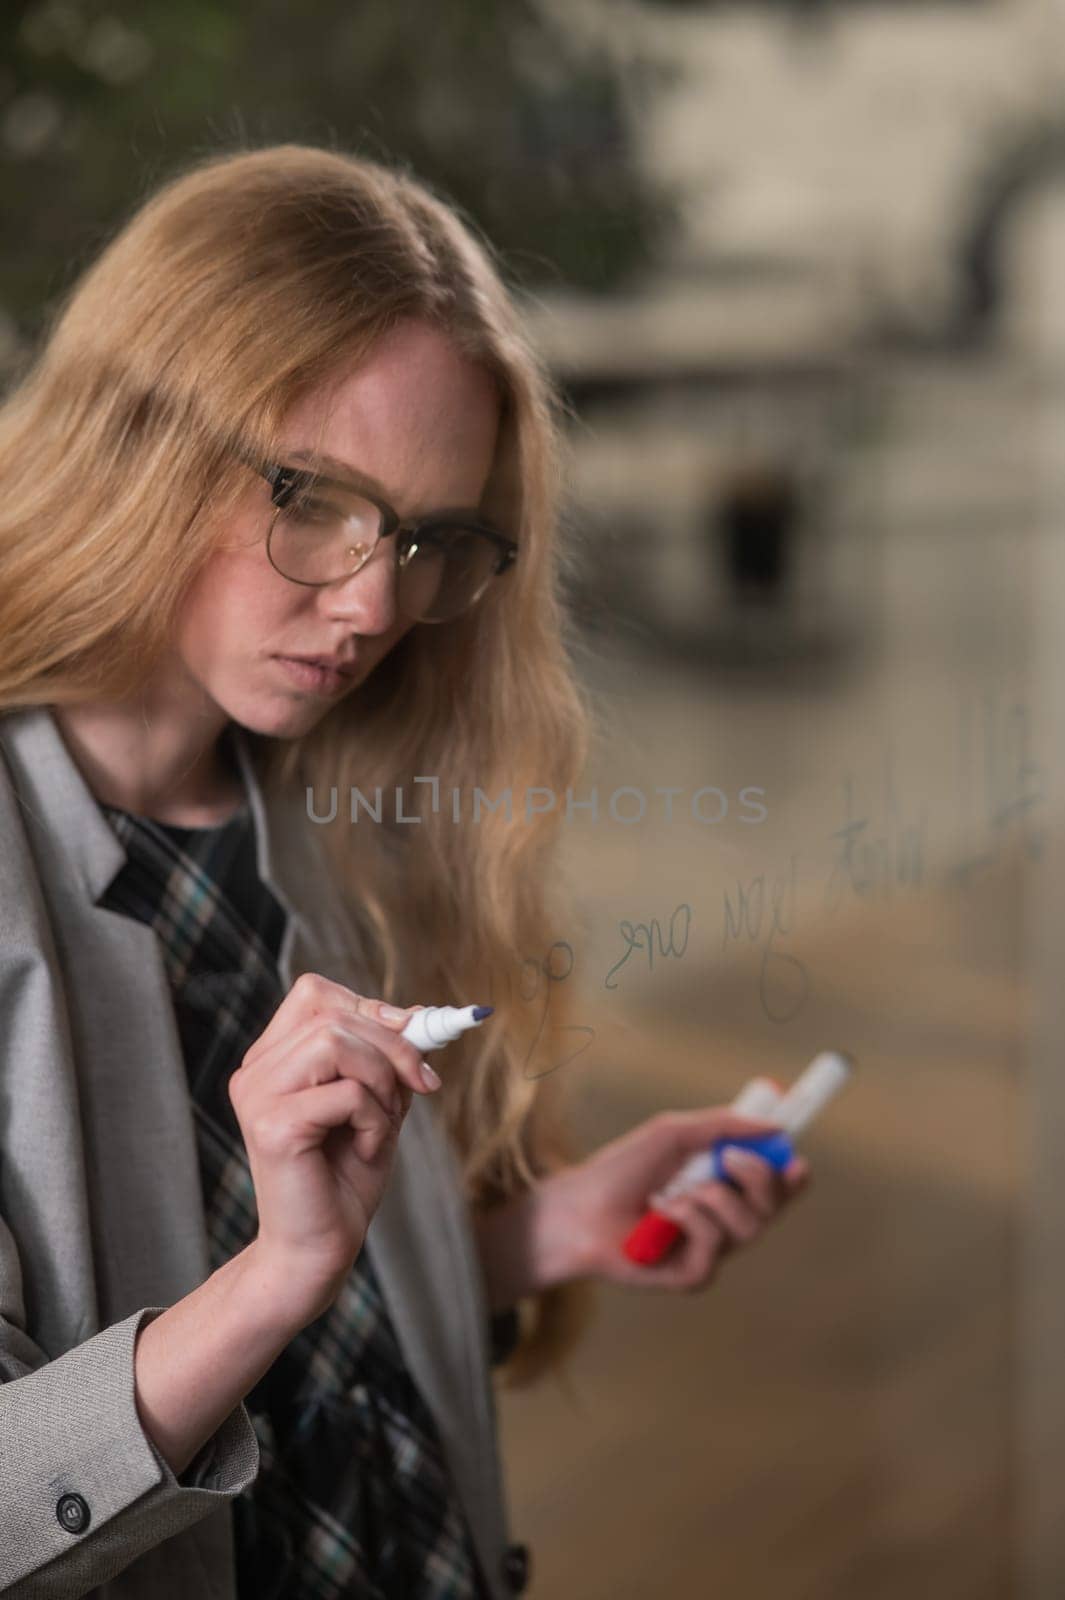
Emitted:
<point x="417" y="417"/>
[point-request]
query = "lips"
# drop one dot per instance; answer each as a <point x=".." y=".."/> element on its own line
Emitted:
<point x="331" y="664"/>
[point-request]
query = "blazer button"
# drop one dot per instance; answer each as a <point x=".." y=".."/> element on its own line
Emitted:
<point x="73" y="1514"/>
<point x="516" y="1567"/>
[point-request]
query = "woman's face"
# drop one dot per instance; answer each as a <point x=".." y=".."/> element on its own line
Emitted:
<point x="417" y="417"/>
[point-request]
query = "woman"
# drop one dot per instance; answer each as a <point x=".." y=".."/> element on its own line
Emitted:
<point x="246" y="1329"/>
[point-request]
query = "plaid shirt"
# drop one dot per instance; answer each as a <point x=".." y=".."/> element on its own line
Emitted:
<point x="353" y="1495"/>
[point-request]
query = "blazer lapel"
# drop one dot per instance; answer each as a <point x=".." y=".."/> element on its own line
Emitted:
<point x="129" y="1113"/>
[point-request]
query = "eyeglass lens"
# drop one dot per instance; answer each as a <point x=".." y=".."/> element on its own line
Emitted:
<point x="318" y="538"/>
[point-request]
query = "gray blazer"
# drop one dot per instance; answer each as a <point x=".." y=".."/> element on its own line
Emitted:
<point x="102" y="1221"/>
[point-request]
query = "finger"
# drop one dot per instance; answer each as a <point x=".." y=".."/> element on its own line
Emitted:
<point x="325" y="1048"/>
<point x="796" y="1176"/>
<point x="296" y="1123"/>
<point x="396" y="1017"/>
<point x="370" y="1050"/>
<point x="329" y="1044"/>
<point x="692" y="1262"/>
<point x="736" y="1219"/>
<point x="688" y="1131"/>
<point x="405" y="1057"/>
<point x="758" y="1182"/>
<point x="664" y="1142"/>
<point x="309" y="996"/>
<point x="406" y="1095"/>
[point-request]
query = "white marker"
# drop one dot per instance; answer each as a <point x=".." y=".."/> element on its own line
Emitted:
<point x="810" y="1093"/>
<point x="435" y="1026"/>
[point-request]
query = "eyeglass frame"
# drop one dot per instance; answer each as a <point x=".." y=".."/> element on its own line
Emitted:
<point x="285" y="482"/>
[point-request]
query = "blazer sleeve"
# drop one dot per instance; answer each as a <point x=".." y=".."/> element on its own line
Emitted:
<point x="83" y="1490"/>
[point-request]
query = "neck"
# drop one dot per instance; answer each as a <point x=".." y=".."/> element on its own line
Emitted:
<point x="158" y="756"/>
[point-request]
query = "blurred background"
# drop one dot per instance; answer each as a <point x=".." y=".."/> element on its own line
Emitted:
<point x="799" y="269"/>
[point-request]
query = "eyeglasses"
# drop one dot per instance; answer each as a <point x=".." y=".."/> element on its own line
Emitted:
<point x="324" y="531"/>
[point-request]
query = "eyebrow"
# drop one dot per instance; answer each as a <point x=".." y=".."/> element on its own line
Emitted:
<point x="348" y="477"/>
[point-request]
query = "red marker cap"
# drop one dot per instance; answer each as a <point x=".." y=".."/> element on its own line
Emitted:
<point x="651" y="1238"/>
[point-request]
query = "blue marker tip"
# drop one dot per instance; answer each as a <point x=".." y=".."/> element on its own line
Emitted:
<point x="480" y="1012"/>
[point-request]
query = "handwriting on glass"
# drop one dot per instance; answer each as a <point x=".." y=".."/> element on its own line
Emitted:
<point x="536" y="975"/>
<point x="874" y="856"/>
<point x="646" y="936"/>
<point x="879" y="847"/>
<point x="762" y="912"/>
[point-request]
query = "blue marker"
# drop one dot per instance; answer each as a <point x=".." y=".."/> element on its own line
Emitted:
<point x="793" y="1112"/>
<point x="776" y="1148"/>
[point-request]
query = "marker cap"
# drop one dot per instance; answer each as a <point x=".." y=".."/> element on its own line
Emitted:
<point x="652" y="1236"/>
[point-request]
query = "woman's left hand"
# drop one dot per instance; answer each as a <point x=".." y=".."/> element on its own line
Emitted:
<point x="604" y="1196"/>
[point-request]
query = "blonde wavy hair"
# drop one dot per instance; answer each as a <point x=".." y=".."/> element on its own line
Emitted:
<point x="239" y="285"/>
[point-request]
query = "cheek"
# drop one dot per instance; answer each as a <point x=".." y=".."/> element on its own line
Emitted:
<point x="233" y="607"/>
<point x="374" y="649"/>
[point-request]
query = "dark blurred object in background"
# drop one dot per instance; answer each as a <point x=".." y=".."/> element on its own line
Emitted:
<point x="517" y="120"/>
<point x="753" y="524"/>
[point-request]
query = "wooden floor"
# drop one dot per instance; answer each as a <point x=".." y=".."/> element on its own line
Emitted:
<point x="832" y="1418"/>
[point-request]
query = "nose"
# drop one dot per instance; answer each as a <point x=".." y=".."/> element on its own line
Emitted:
<point x="366" y="601"/>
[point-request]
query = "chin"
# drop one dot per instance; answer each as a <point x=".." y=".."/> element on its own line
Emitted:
<point x="277" y="717"/>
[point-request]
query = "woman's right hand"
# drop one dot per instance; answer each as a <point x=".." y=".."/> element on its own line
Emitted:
<point x="320" y="1098"/>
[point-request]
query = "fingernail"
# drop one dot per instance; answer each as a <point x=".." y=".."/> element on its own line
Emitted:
<point x="391" y="1013"/>
<point x="431" y="1078"/>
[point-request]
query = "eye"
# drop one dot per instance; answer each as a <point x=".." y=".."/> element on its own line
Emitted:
<point x="310" y="510"/>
